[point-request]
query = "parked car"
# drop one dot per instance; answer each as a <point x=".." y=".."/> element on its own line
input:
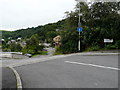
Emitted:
<point x="29" y="55"/>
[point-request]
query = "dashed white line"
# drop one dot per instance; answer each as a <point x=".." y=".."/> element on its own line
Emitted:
<point x="93" y="65"/>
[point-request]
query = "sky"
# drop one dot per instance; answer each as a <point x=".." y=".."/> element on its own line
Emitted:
<point x="21" y="14"/>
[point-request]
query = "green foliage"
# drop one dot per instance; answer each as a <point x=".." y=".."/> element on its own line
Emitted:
<point x="28" y="32"/>
<point x="30" y="51"/>
<point x="50" y="35"/>
<point x="110" y="46"/>
<point x="15" y="47"/>
<point x="71" y="21"/>
<point x="117" y="44"/>
<point x="69" y="41"/>
<point x="93" y="48"/>
<point x="33" y="45"/>
<point x="58" y="51"/>
<point x="24" y="50"/>
<point x="43" y="52"/>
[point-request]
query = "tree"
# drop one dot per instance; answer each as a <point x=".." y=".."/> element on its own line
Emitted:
<point x="15" y="47"/>
<point x="50" y="35"/>
<point x="69" y="42"/>
<point x="33" y="45"/>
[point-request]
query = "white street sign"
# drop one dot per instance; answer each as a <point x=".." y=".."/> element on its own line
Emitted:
<point x="108" y="40"/>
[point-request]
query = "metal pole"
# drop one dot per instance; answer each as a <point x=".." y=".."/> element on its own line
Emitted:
<point x="79" y="25"/>
<point x="79" y="42"/>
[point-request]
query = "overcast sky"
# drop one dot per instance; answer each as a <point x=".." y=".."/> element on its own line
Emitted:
<point x="18" y="14"/>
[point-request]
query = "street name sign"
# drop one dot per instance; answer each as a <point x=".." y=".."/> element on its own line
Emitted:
<point x="108" y="40"/>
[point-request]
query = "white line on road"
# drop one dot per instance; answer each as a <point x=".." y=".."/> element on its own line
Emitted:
<point x="19" y="82"/>
<point x="93" y="65"/>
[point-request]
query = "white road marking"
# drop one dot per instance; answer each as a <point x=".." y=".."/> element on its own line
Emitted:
<point x="93" y="65"/>
<point x="19" y="82"/>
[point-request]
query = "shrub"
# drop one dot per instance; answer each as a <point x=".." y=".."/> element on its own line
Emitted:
<point x="94" y="48"/>
<point x="110" y="46"/>
<point x="69" y="42"/>
<point x="117" y="44"/>
<point x="58" y="51"/>
<point x="43" y="52"/>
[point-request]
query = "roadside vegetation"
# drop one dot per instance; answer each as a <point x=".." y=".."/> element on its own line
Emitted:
<point x="99" y="21"/>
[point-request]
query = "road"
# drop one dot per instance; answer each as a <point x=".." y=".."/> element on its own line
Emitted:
<point x="73" y="71"/>
<point x="60" y="74"/>
<point x="8" y="78"/>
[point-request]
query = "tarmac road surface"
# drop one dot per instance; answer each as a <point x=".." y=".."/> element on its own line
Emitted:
<point x="72" y="72"/>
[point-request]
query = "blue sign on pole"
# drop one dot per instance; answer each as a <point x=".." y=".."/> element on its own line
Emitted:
<point x="80" y="29"/>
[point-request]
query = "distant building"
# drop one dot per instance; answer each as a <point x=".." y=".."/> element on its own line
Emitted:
<point x="19" y="39"/>
<point x="46" y="44"/>
<point x="2" y="40"/>
<point x="12" y="41"/>
<point x="23" y="44"/>
<point x="10" y="38"/>
<point x="9" y="42"/>
<point x="58" y="30"/>
<point x="57" y="40"/>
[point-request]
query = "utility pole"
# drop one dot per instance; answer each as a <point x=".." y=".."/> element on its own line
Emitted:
<point x="79" y="25"/>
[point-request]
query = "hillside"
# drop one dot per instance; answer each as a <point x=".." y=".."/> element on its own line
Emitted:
<point x="27" y="33"/>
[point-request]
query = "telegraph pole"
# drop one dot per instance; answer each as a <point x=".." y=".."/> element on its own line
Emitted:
<point x="79" y="25"/>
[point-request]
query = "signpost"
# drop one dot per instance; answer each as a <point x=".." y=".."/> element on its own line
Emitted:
<point x="79" y="26"/>
<point x="79" y="29"/>
<point x="108" y="41"/>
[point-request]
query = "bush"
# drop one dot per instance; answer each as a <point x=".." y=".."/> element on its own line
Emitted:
<point x="69" y="42"/>
<point x="43" y="52"/>
<point x="111" y="47"/>
<point x="31" y="52"/>
<point x="94" y="48"/>
<point x="117" y="44"/>
<point x="58" y="51"/>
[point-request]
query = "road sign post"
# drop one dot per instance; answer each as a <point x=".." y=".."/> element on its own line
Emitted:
<point x="108" y="41"/>
<point x="79" y="28"/>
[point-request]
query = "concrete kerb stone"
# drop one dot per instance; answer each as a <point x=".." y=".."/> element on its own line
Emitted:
<point x="18" y="79"/>
<point x="96" y="54"/>
<point x="92" y="54"/>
